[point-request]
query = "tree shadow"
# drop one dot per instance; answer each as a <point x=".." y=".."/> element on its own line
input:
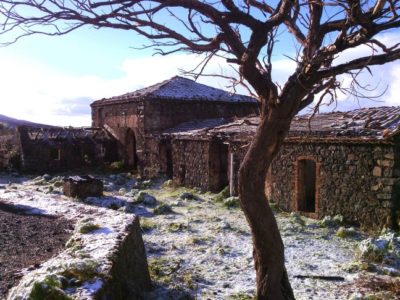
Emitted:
<point x="25" y="210"/>
<point x="116" y="203"/>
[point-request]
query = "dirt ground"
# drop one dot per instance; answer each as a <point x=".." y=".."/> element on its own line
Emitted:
<point x="26" y="241"/>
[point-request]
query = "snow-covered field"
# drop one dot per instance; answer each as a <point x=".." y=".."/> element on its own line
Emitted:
<point x="198" y="247"/>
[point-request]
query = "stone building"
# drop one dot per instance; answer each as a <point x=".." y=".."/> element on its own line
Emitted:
<point x="344" y="163"/>
<point x="133" y="117"/>
<point x="57" y="149"/>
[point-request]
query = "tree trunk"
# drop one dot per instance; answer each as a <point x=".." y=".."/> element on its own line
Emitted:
<point x="271" y="275"/>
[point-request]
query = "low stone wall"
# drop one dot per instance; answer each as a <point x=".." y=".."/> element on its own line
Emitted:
<point x="129" y="272"/>
<point x="104" y="259"/>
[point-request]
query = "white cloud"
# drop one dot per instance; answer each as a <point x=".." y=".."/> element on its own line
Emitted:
<point x="39" y="93"/>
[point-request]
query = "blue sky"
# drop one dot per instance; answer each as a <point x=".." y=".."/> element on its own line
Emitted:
<point x="54" y="79"/>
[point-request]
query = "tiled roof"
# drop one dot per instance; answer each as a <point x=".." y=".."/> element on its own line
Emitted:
<point x="377" y="123"/>
<point x="195" y="126"/>
<point x="179" y="88"/>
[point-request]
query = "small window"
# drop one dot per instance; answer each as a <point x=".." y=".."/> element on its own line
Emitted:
<point x="306" y="185"/>
<point x="55" y="154"/>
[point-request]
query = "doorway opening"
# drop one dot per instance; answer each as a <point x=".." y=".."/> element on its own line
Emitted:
<point x="131" y="159"/>
<point x="166" y="158"/>
<point x="306" y="185"/>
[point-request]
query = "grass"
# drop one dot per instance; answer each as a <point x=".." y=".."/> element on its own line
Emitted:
<point x="162" y="209"/>
<point x="163" y="270"/>
<point x="199" y="240"/>
<point x="241" y="296"/>
<point x="166" y="192"/>
<point x="147" y="225"/>
<point x="222" y="195"/>
<point x="82" y="270"/>
<point x="49" y="288"/>
<point x="177" y="227"/>
<point x="88" y="227"/>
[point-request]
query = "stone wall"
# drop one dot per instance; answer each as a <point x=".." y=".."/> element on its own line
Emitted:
<point x="131" y="121"/>
<point x="116" y="115"/>
<point x="154" y="159"/>
<point x="9" y="148"/>
<point x="355" y="181"/>
<point x="129" y="275"/>
<point x="163" y="114"/>
<point x="125" y="122"/>
<point x="359" y="181"/>
<point x="104" y="263"/>
<point x="62" y="154"/>
<point x="191" y="163"/>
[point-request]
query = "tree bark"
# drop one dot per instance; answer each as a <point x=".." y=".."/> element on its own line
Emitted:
<point x="268" y="249"/>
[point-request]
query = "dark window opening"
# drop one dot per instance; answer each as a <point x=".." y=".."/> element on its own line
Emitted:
<point x="306" y="185"/>
<point x="55" y="154"/>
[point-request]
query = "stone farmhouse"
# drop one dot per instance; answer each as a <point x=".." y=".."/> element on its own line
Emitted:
<point x="135" y="118"/>
<point x="344" y="163"/>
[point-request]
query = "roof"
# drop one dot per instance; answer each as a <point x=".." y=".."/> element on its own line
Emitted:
<point x="68" y="134"/>
<point x="195" y="126"/>
<point x="374" y="122"/>
<point x="365" y="124"/>
<point x="181" y="89"/>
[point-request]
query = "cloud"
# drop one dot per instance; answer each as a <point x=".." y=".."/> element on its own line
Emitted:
<point x="77" y="107"/>
<point x="40" y="93"/>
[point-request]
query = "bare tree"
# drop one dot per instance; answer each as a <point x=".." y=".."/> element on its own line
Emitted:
<point x="244" y="33"/>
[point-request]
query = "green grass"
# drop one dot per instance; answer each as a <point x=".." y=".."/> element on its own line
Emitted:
<point x="147" y="225"/>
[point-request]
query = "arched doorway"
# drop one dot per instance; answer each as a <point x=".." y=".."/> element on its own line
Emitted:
<point x="131" y="159"/>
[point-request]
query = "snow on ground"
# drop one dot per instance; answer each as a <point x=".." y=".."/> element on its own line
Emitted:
<point x="87" y="254"/>
<point x="197" y="247"/>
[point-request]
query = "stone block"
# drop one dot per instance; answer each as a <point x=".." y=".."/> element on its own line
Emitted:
<point x="387" y="172"/>
<point x="376" y="187"/>
<point x="384" y="196"/>
<point x="377" y="171"/>
<point x="389" y="156"/>
<point x="82" y="187"/>
<point x="387" y="163"/>
<point x="350" y="157"/>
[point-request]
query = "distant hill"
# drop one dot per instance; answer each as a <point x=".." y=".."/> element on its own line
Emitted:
<point x="11" y="122"/>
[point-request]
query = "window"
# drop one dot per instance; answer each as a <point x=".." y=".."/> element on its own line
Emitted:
<point x="306" y="185"/>
<point x="55" y="154"/>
